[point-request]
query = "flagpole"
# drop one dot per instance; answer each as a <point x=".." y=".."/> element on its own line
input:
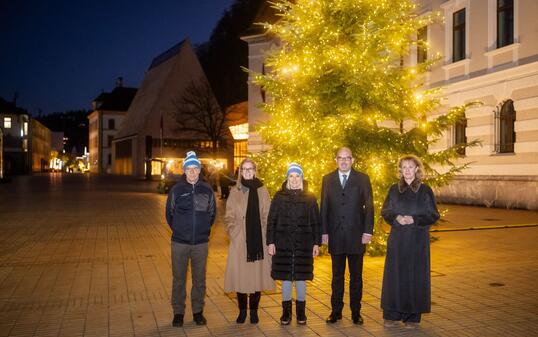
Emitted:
<point x="161" y="135"/>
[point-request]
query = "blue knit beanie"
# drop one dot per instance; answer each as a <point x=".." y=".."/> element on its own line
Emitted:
<point x="294" y="167"/>
<point x="191" y="160"/>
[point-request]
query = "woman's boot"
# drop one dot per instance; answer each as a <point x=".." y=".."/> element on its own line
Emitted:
<point x="286" y="313"/>
<point x="254" y="301"/>
<point x="300" y="311"/>
<point x="242" y="303"/>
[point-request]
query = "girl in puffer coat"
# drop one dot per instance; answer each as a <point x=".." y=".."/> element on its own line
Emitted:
<point x="293" y="239"/>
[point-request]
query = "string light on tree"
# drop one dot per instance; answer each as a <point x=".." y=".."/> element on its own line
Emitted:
<point x="338" y="80"/>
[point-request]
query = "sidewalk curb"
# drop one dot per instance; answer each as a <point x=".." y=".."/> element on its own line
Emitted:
<point x="459" y="229"/>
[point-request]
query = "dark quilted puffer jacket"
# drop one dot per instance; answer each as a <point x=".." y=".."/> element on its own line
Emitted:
<point x="294" y="227"/>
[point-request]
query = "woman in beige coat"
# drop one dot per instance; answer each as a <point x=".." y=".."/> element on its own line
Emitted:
<point x="248" y="269"/>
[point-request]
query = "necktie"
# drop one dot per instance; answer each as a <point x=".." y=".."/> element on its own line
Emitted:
<point x="344" y="180"/>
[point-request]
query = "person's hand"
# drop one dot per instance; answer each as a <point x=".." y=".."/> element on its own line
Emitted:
<point x="315" y="251"/>
<point x="325" y="239"/>
<point x="401" y="220"/>
<point x="271" y="249"/>
<point x="409" y="219"/>
<point x="366" y="238"/>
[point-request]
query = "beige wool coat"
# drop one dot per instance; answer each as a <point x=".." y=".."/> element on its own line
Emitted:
<point x="242" y="276"/>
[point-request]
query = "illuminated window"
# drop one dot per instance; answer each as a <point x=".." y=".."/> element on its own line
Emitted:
<point x="25" y="128"/>
<point x="240" y="152"/>
<point x="156" y="167"/>
<point x="25" y="145"/>
<point x="7" y="122"/>
<point x="239" y="132"/>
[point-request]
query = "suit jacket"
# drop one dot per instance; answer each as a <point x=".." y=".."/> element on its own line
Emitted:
<point x="347" y="213"/>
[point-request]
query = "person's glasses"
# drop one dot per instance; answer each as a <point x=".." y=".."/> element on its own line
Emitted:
<point x="247" y="169"/>
<point x="344" y="158"/>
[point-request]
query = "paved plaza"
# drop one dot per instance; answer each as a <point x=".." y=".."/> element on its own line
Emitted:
<point x="90" y="256"/>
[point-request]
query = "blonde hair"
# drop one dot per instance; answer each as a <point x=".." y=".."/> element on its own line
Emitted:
<point x="420" y="168"/>
<point x="301" y="187"/>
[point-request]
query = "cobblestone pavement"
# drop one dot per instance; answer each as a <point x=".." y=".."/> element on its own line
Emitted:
<point x="90" y="256"/>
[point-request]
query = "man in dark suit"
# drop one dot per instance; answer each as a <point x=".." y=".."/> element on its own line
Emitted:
<point x="347" y="218"/>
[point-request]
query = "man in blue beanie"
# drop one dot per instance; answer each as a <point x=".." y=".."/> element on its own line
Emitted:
<point x="190" y="213"/>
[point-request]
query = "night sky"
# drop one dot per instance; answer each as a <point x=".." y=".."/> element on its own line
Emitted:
<point x="60" y="54"/>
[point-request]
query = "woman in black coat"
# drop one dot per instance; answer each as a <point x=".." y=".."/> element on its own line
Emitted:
<point x="409" y="209"/>
<point x="293" y="239"/>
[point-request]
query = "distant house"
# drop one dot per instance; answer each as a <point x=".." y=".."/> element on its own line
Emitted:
<point x="150" y="137"/>
<point x="109" y="110"/>
<point x="15" y="125"/>
<point x="40" y="146"/>
<point x="1" y="154"/>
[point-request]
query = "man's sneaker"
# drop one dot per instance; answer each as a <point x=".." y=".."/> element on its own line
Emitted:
<point x="199" y="319"/>
<point x="178" y="320"/>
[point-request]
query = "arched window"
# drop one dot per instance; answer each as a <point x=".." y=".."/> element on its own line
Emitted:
<point x="506" y="134"/>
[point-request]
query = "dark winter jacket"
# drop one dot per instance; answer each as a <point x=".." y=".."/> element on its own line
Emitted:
<point x="406" y="279"/>
<point x="190" y="211"/>
<point x="294" y="227"/>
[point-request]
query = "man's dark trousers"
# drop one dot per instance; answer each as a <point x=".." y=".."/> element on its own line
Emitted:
<point x="355" y="281"/>
<point x="181" y="253"/>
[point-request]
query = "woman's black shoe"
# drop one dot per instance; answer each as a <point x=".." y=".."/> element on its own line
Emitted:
<point x="242" y="316"/>
<point x="300" y="307"/>
<point x="254" y="319"/>
<point x="242" y="303"/>
<point x="254" y="301"/>
<point x="286" y="313"/>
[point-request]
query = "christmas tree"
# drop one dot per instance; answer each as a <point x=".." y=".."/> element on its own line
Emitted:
<point x="338" y="79"/>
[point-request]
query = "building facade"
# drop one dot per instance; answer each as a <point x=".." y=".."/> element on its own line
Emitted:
<point x="15" y="125"/>
<point x="109" y="110"/>
<point x="259" y="44"/>
<point x="150" y="140"/>
<point x="490" y="54"/>
<point x="1" y="154"/>
<point x="40" y="146"/>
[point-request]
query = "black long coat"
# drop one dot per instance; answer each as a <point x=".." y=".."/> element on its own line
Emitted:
<point x="293" y="226"/>
<point x="347" y="213"/>
<point x="406" y="279"/>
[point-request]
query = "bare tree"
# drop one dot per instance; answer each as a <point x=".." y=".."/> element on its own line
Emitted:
<point x="198" y="111"/>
